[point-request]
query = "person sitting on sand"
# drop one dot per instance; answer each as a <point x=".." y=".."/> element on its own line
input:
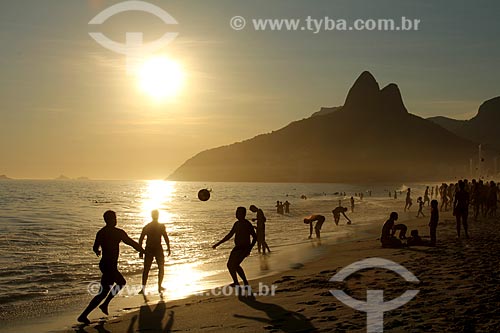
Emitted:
<point x="336" y="214"/>
<point x="154" y="231"/>
<point x="319" y="219"/>
<point x="434" y="221"/>
<point x="416" y="240"/>
<point x="420" y="207"/>
<point x="112" y="281"/>
<point x="261" y="229"/>
<point x="387" y="238"/>
<point x="402" y="230"/>
<point x="242" y="231"/>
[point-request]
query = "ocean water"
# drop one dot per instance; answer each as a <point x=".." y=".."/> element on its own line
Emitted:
<point x="47" y="229"/>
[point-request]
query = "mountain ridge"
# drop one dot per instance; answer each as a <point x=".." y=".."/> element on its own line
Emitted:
<point x="372" y="137"/>
<point x="482" y="128"/>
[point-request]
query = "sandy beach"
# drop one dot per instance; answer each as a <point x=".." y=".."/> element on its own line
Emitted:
<point x="459" y="292"/>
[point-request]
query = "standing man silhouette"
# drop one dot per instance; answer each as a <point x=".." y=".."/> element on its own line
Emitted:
<point x="154" y="231"/>
<point x="108" y="240"/>
<point x="242" y="230"/>
<point x="261" y="229"/>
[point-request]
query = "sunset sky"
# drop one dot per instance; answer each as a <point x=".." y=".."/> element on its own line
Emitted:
<point x="67" y="105"/>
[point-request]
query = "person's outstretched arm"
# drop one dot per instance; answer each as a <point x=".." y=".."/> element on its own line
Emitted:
<point x="167" y="240"/>
<point x="346" y="217"/>
<point x="226" y="238"/>
<point x="129" y="241"/>
<point x="97" y="244"/>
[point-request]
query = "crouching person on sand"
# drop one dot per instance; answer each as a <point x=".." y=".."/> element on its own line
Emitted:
<point x="387" y="238"/>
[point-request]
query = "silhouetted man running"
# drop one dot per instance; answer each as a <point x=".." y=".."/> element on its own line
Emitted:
<point x="242" y="231"/>
<point x="154" y="231"/>
<point x="108" y="240"/>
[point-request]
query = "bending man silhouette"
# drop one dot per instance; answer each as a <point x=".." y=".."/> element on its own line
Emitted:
<point x="319" y="219"/>
<point x="108" y="240"/>
<point x="336" y="214"/>
<point x="242" y="231"/>
<point x="154" y="231"/>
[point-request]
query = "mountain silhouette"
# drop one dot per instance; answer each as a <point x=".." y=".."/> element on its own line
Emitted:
<point x="372" y="137"/>
<point x="483" y="128"/>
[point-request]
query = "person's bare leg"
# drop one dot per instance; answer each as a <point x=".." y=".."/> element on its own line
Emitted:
<point x="241" y="273"/>
<point x="93" y="304"/>
<point x="161" y="272"/>
<point x="466" y="227"/>
<point x="231" y="267"/>
<point x="113" y="292"/>
<point x="267" y="246"/>
<point x="148" y="261"/>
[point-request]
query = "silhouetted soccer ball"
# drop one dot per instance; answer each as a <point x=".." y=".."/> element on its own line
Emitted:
<point x="204" y="194"/>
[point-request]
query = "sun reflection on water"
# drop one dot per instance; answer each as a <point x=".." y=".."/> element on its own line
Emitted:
<point x="157" y="194"/>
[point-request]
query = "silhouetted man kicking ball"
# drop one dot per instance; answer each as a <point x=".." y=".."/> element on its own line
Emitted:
<point x="242" y="231"/>
<point x="112" y="281"/>
<point x="154" y="231"/>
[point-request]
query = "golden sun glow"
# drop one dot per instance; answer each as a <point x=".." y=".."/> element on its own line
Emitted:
<point x="156" y="195"/>
<point x="160" y="78"/>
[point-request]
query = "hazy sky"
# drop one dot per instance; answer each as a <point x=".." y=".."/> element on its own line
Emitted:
<point x="68" y="107"/>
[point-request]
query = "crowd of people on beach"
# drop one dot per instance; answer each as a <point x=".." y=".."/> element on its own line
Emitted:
<point x="460" y="197"/>
<point x="481" y="197"/>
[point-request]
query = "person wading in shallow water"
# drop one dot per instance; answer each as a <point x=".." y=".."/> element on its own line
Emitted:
<point x="108" y="240"/>
<point x="261" y="229"/>
<point x="154" y="231"/>
<point x="242" y="231"/>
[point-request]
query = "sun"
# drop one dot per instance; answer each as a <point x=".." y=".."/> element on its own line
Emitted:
<point x="160" y="78"/>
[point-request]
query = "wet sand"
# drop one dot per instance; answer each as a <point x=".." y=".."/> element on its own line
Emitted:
<point x="459" y="291"/>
